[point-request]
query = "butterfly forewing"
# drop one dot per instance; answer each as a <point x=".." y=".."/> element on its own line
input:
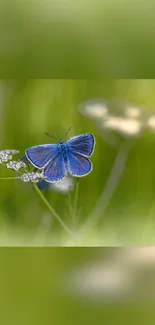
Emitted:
<point x="78" y="165"/>
<point x="39" y="156"/>
<point x="83" y="144"/>
<point x="55" y="170"/>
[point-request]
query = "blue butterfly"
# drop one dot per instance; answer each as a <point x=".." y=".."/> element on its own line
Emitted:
<point x="57" y="160"/>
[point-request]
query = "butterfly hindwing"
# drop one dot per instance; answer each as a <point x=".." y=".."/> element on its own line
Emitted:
<point x="39" y="156"/>
<point x="78" y="165"/>
<point x="83" y="144"/>
<point x="55" y="170"/>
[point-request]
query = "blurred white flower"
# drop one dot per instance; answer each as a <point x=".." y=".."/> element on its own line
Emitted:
<point x="121" y="117"/>
<point x="103" y="281"/>
<point x="116" y="115"/>
<point x="133" y="112"/>
<point x="64" y="186"/>
<point x="94" y="109"/>
<point x="151" y="122"/>
<point x="126" y="126"/>
<point x="140" y="257"/>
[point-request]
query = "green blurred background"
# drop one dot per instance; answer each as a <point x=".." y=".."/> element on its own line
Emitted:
<point x="119" y="213"/>
<point x="77" y="39"/>
<point x="77" y="285"/>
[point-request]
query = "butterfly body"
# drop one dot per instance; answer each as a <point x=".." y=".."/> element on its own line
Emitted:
<point x="57" y="160"/>
<point x="63" y="151"/>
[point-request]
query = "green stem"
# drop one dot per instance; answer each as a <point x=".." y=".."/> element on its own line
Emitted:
<point x="54" y="213"/>
<point x="9" y="178"/>
<point x="70" y="205"/>
<point x="76" y="199"/>
<point x="109" y="190"/>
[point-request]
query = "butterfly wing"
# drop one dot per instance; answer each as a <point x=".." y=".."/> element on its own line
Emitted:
<point x="39" y="156"/>
<point x="83" y="144"/>
<point x="78" y="165"/>
<point x="55" y="170"/>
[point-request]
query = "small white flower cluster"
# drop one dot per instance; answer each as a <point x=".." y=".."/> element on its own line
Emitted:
<point x="6" y="155"/>
<point x="10" y="151"/>
<point x="16" y="165"/>
<point x="33" y="177"/>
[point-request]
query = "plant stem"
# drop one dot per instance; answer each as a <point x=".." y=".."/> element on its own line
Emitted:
<point x="70" y="205"/>
<point x="54" y="213"/>
<point x="76" y="199"/>
<point x="9" y="178"/>
<point x="108" y="191"/>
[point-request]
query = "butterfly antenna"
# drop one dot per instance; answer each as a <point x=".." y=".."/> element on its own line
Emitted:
<point x="68" y="131"/>
<point x="50" y="135"/>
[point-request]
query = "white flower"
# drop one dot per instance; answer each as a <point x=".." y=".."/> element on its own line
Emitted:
<point x="16" y="165"/>
<point x="126" y="126"/>
<point x="151" y="122"/>
<point x="133" y="112"/>
<point x="6" y="155"/>
<point x="33" y="177"/>
<point x="139" y="257"/>
<point x="94" y="109"/>
<point x="100" y="281"/>
<point x="10" y="151"/>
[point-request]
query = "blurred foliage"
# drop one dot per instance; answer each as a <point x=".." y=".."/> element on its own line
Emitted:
<point x="35" y="289"/>
<point x="28" y="109"/>
<point x="62" y="39"/>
